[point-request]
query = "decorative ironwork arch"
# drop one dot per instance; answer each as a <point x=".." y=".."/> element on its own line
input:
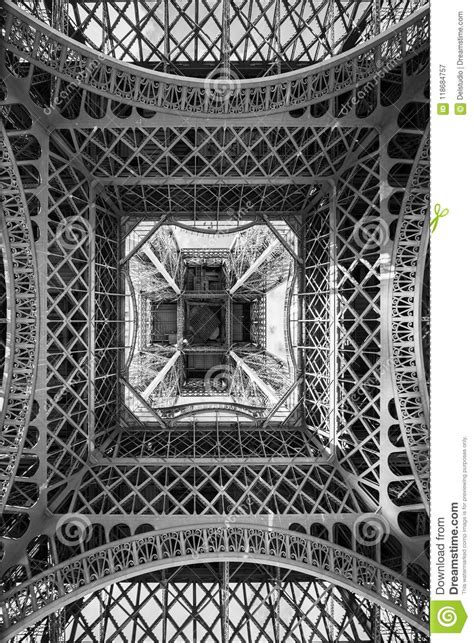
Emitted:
<point x="156" y="550"/>
<point x="32" y="40"/>
<point x="408" y="370"/>
<point x="22" y="269"/>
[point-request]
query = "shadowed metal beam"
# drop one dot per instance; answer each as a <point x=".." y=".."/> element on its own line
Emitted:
<point x="157" y="263"/>
<point x="263" y="257"/>
<point x="160" y="376"/>
<point x="146" y="238"/>
<point x="267" y="390"/>
<point x="282" y="239"/>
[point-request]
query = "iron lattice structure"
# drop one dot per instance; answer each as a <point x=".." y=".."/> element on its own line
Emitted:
<point x="303" y="516"/>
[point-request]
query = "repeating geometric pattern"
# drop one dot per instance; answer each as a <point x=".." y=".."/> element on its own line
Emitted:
<point x="152" y="551"/>
<point x="210" y="442"/>
<point x="81" y="73"/>
<point x="215" y="489"/>
<point x="21" y="328"/>
<point x="412" y="393"/>
<point x="358" y="312"/>
<point x="125" y="154"/>
<point x="224" y="207"/>
<point x="268" y="603"/>
<point x="70" y="307"/>
<point x="180" y="37"/>
<point x="303" y="488"/>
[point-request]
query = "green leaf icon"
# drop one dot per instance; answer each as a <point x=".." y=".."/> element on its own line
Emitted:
<point x="447" y="617"/>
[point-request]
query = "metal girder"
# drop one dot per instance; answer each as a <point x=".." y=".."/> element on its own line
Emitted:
<point x="171" y="477"/>
<point x="111" y="79"/>
<point x="161" y="375"/>
<point x="251" y="38"/>
<point x="154" y="259"/>
<point x="267" y="390"/>
<point x="258" y="262"/>
<point x="282" y="401"/>
<point x="159" y="550"/>
<point x="144" y="239"/>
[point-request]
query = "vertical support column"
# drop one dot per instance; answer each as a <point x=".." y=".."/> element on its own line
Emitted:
<point x="105" y="29"/>
<point x="164" y="599"/>
<point x="333" y="322"/>
<point x="60" y="15"/>
<point x="59" y="21"/>
<point x="228" y="322"/>
<point x="276" y="603"/>
<point x="180" y="322"/>
<point x="375" y="633"/>
<point x="225" y="42"/>
<point x="278" y="35"/>
<point x="91" y="306"/>
<point x="332" y="17"/>
<point x="225" y="602"/>
<point x="302" y="312"/>
<point x="166" y="37"/>
<point x="376" y="16"/>
<point x="376" y="20"/>
<point x="56" y="627"/>
<point x="103" y="627"/>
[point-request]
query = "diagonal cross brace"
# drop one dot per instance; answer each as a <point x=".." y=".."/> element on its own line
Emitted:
<point x="263" y="257"/>
<point x="267" y="390"/>
<point x="160" y="376"/>
<point x="157" y="263"/>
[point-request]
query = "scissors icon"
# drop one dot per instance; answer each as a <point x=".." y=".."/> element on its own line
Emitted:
<point x="439" y="214"/>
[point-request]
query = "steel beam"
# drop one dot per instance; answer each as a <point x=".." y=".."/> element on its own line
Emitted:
<point x="157" y="263"/>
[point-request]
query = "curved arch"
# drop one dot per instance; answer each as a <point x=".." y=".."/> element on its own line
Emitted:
<point x="177" y="412"/>
<point x="8" y="301"/>
<point x="14" y="416"/>
<point x="405" y="341"/>
<point x="289" y="295"/>
<point x="33" y="40"/>
<point x="120" y="560"/>
<point x="224" y="231"/>
<point x="134" y="325"/>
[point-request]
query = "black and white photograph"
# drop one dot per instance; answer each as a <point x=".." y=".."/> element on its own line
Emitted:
<point x="215" y="322"/>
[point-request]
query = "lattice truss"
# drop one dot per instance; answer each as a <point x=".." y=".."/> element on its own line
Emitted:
<point x="259" y="260"/>
<point x="160" y="251"/>
<point x="146" y="365"/>
<point x="319" y="477"/>
<point x="266" y="605"/>
<point x="270" y="369"/>
<point x="244" y="390"/>
<point x="192" y="37"/>
<point x="253" y="152"/>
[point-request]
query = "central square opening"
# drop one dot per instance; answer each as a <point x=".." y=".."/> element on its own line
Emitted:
<point x="204" y="323"/>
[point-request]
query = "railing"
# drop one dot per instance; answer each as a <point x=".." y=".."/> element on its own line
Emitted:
<point x="75" y="63"/>
<point x="127" y="558"/>
<point x="24" y="307"/>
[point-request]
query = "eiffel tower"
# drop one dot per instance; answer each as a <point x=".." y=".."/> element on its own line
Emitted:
<point x="214" y="321"/>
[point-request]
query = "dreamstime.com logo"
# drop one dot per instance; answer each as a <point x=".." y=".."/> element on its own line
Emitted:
<point x="71" y="233"/>
<point x="220" y="84"/>
<point x="218" y="379"/>
<point x="371" y="529"/>
<point x="242" y="212"/>
<point x="447" y="617"/>
<point x="371" y="233"/>
<point x="74" y="529"/>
